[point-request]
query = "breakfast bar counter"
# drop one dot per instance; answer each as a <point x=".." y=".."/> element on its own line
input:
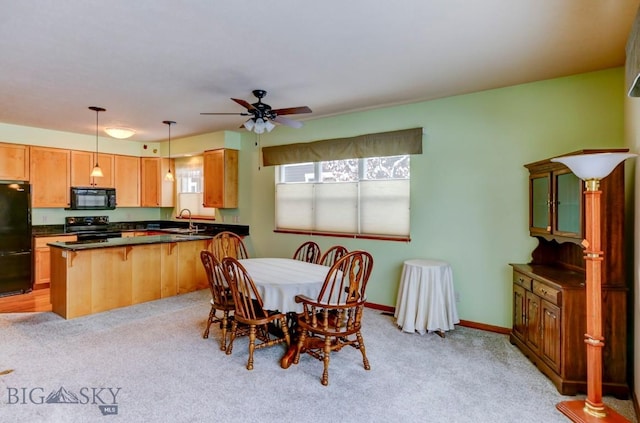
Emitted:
<point x="94" y="276"/>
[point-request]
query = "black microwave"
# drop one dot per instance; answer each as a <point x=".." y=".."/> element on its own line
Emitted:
<point x="93" y="198"/>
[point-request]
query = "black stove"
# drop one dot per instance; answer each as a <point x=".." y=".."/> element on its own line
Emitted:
<point x="90" y="228"/>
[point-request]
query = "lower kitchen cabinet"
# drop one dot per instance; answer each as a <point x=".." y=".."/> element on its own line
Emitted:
<point x="92" y="280"/>
<point x="191" y="274"/>
<point x="41" y="265"/>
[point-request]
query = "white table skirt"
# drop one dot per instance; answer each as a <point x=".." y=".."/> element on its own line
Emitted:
<point x="426" y="297"/>
<point x="279" y="280"/>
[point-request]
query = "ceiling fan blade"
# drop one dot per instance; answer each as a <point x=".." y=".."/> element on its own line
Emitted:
<point x="292" y="110"/>
<point x="288" y="122"/>
<point x="244" y="103"/>
<point x="235" y="114"/>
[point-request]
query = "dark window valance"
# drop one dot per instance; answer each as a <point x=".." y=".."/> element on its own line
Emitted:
<point x="394" y="143"/>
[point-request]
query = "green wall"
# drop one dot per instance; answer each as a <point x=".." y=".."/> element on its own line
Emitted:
<point x="469" y="193"/>
<point x="468" y="188"/>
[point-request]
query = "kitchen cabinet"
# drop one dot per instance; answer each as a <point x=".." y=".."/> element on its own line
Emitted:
<point x="14" y="162"/>
<point x="127" y="180"/>
<point x="220" y="178"/>
<point x="90" y="280"/>
<point x="549" y="300"/>
<point x="169" y="265"/>
<point x="82" y="163"/>
<point x="50" y="170"/>
<point x="190" y="271"/>
<point x="147" y="270"/>
<point x="41" y="267"/>
<point x="155" y="191"/>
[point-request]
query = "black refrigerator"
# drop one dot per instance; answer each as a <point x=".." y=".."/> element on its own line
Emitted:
<point x="15" y="239"/>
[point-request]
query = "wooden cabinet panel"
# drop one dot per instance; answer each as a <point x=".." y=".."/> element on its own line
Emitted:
<point x="220" y="178"/>
<point x="533" y="321"/>
<point x="42" y="266"/>
<point x="519" y="313"/>
<point x="82" y="163"/>
<point x="154" y="190"/>
<point x="14" y="162"/>
<point x="50" y="177"/>
<point x="147" y="273"/>
<point x="551" y="334"/>
<point x="191" y="274"/>
<point x="127" y="180"/>
<point x="169" y="265"/>
<point x="110" y="277"/>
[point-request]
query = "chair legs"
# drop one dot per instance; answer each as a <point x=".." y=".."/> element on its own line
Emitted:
<point x="365" y="360"/>
<point x="223" y="325"/>
<point x="327" y="346"/>
<point x="212" y="315"/>
<point x="257" y="333"/>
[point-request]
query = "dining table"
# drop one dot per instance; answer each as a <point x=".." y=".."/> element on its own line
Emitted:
<point x="279" y="280"/>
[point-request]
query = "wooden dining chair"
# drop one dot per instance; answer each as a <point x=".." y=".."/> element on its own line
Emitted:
<point x="228" y="244"/>
<point x="221" y="297"/>
<point x="269" y="328"/>
<point x="334" y="319"/>
<point x="332" y="255"/>
<point x="308" y="251"/>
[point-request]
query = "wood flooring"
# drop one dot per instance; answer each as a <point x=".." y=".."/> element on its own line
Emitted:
<point x="34" y="301"/>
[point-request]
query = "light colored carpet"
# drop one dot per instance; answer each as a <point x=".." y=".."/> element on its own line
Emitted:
<point x="155" y="354"/>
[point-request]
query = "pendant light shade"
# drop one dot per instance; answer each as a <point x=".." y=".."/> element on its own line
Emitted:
<point x="169" y="176"/>
<point x="97" y="172"/>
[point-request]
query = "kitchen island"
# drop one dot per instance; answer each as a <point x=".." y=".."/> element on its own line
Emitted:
<point x="93" y="276"/>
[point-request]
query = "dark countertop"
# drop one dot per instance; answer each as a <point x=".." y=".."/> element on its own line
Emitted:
<point x="147" y="225"/>
<point x="126" y="242"/>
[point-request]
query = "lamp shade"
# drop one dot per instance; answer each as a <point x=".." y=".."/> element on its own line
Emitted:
<point x="120" y="133"/>
<point x="593" y="166"/>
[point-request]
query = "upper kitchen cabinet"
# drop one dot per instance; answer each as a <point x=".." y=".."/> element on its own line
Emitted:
<point x="50" y="170"/>
<point x="82" y="163"/>
<point x="221" y="178"/>
<point x="14" y="162"/>
<point x="154" y="190"/>
<point x="127" y="181"/>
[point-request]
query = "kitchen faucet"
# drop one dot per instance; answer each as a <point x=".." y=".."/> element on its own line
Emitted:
<point x="188" y="211"/>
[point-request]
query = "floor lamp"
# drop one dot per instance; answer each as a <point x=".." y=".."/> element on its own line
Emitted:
<point x="592" y="168"/>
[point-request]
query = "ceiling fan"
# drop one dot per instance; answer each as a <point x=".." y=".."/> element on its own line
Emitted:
<point x="263" y="115"/>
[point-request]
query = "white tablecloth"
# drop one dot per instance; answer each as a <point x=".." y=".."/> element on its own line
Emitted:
<point x="279" y="280"/>
<point x="426" y="297"/>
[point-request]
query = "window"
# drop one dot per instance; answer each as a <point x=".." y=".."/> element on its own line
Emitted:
<point x="368" y="196"/>
<point x="189" y="183"/>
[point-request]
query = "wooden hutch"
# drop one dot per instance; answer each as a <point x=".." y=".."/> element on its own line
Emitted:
<point x="549" y="303"/>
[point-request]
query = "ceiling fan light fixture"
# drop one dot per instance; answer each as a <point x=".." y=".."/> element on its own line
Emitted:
<point x="249" y="124"/>
<point x="120" y="133"/>
<point x="259" y="126"/>
<point x="269" y="126"/>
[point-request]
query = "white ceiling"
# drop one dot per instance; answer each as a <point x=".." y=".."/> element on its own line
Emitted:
<point x="146" y="61"/>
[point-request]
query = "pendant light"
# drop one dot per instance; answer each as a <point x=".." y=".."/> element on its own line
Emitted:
<point x="169" y="176"/>
<point x="97" y="172"/>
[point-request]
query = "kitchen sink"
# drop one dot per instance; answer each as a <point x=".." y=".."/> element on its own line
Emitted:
<point x="182" y="230"/>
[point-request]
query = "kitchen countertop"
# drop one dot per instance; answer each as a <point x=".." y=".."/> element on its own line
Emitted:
<point x="126" y="242"/>
<point x="155" y="225"/>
